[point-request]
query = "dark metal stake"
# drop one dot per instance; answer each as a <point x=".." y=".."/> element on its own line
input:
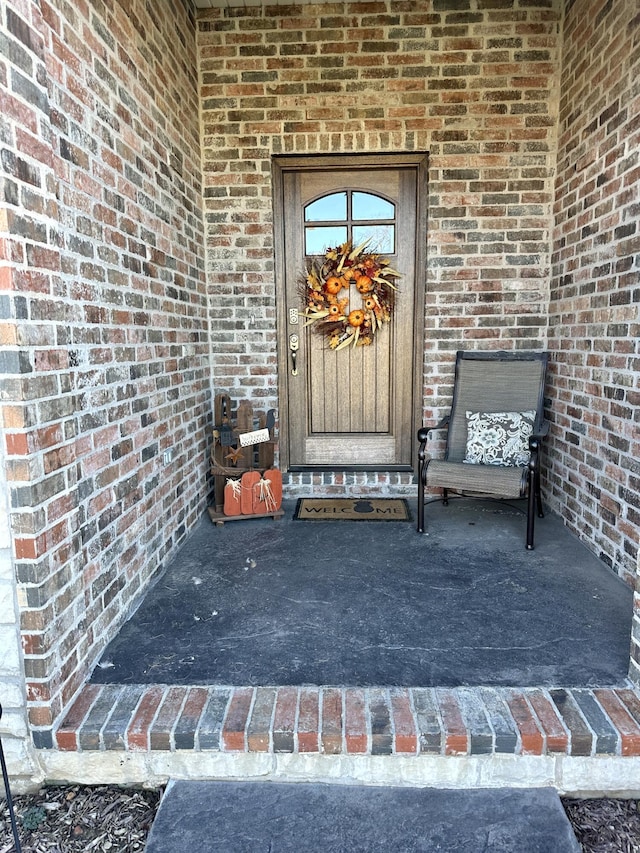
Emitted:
<point x="12" y="814"/>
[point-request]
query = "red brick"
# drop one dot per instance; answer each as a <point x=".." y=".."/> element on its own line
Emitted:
<point x="557" y="737"/>
<point x="456" y="738"/>
<point x="49" y="436"/>
<point x="531" y="736"/>
<point x="185" y="729"/>
<point x="331" y="733"/>
<point x="309" y="720"/>
<point x="139" y="727"/>
<point x="623" y="721"/>
<point x="26" y="549"/>
<point x="631" y="701"/>
<point x="12" y="108"/>
<point x="6" y="278"/>
<point x="17" y="444"/>
<point x="284" y="719"/>
<point x="235" y="722"/>
<point x="259" y="727"/>
<point x="355" y="721"/>
<point x="67" y="734"/>
<point x="167" y="717"/>
<point x="533" y="130"/>
<point x="404" y="726"/>
<point x="33" y="644"/>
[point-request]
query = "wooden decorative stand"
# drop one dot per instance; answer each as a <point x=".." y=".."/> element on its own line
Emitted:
<point x="230" y="461"/>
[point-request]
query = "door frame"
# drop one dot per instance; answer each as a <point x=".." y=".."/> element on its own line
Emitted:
<point x="326" y="162"/>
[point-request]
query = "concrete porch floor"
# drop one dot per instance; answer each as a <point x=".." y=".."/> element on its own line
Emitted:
<point x="364" y="652"/>
<point x="369" y="604"/>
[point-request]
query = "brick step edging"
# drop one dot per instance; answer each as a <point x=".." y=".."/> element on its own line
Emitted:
<point x="350" y="721"/>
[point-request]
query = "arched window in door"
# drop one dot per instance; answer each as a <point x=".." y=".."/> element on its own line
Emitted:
<point x="350" y="215"/>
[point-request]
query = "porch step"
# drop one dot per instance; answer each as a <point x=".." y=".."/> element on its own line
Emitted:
<point x="578" y="741"/>
<point x="240" y="817"/>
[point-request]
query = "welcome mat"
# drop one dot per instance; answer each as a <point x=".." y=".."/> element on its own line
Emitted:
<point x="352" y="509"/>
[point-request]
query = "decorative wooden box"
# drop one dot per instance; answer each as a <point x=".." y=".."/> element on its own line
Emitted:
<point x="230" y="459"/>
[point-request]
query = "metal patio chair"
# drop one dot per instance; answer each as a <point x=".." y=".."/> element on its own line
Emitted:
<point x="494" y="432"/>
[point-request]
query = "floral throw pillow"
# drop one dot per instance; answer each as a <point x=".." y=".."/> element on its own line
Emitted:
<point x="499" y="438"/>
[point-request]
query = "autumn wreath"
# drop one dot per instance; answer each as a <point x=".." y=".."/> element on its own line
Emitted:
<point x="327" y="289"/>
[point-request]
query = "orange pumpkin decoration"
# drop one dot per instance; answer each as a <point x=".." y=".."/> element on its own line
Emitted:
<point x="369" y="303"/>
<point x="334" y="310"/>
<point x="364" y="284"/>
<point x="333" y="285"/>
<point x="356" y="318"/>
<point x="349" y="274"/>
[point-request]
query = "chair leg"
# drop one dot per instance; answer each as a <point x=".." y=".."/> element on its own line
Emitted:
<point x="539" y="495"/>
<point x="531" y="511"/>
<point x="445" y="497"/>
<point x="420" y="527"/>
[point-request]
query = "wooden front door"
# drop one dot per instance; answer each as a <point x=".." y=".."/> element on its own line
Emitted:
<point x="356" y="406"/>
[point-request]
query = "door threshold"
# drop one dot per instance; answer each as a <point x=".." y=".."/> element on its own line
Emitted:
<point x="347" y="468"/>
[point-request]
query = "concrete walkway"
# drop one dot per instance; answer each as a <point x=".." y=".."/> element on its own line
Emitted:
<point x="237" y="817"/>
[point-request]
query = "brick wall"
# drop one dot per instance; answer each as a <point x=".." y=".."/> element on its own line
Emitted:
<point x="595" y="288"/>
<point x="103" y="312"/>
<point x="474" y="83"/>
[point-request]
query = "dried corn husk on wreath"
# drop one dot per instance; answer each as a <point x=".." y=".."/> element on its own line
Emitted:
<point x="349" y="295"/>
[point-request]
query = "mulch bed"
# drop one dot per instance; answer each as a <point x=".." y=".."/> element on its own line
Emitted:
<point x="108" y="819"/>
<point x="80" y="818"/>
<point x="605" y="825"/>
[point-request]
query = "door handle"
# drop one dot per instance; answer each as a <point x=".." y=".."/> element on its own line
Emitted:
<point x="294" y="344"/>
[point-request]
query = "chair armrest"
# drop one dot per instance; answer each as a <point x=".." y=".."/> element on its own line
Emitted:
<point x="423" y="432"/>
<point x="540" y="431"/>
<point x="423" y="435"/>
<point x="535" y="443"/>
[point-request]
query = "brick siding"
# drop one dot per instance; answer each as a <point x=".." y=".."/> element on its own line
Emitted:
<point x="474" y="84"/>
<point x="595" y="288"/>
<point x="476" y="88"/>
<point x="104" y="321"/>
